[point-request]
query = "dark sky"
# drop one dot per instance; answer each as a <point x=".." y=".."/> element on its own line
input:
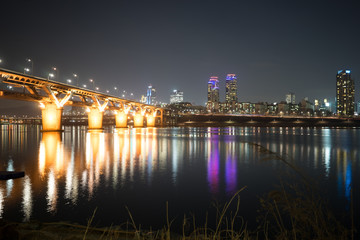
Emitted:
<point x="273" y="46"/>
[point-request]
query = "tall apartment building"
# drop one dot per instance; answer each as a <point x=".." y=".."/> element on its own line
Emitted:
<point x="231" y="88"/>
<point x="230" y="92"/>
<point x="213" y="94"/>
<point x="345" y="93"/>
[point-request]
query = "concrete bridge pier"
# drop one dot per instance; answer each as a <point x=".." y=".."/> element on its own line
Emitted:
<point x="121" y="119"/>
<point x="150" y="120"/>
<point x="138" y="119"/>
<point x="161" y="117"/>
<point x="51" y="117"/>
<point x="95" y="118"/>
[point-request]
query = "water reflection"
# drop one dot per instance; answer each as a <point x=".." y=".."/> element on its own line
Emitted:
<point x="52" y="192"/>
<point x="213" y="163"/>
<point x="27" y="201"/>
<point x="77" y="165"/>
<point x="1" y="202"/>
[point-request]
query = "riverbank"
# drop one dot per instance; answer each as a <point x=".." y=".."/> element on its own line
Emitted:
<point x="226" y="120"/>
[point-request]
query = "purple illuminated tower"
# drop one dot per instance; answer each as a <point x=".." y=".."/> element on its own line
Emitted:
<point x="213" y="94"/>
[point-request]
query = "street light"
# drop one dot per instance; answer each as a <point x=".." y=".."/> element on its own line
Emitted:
<point x="77" y="79"/>
<point x="97" y="89"/>
<point x="51" y="75"/>
<point x="56" y="75"/>
<point x="93" y="83"/>
<point x="84" y="85"/>
<point x="69" y="80"/>
<point x="27" y="69"/>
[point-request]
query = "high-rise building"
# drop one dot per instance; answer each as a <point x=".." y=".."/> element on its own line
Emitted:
<point x="290" y="98"/>
<point x="213" y="94"/>
<point x="231" y="88"/>
<point x="345" y="92"/>
<point x="151" y="95"/>
<point x="230" y="93"/>
<point x="177" y="97"/>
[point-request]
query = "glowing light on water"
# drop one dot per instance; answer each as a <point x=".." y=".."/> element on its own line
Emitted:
<point x="1" y="203"/>
<point x="27" y="201"/>
<point x="10" y="182"/>
<point x="51" y="195"/>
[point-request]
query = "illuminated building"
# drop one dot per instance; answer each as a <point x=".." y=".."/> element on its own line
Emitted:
<point x="290" y="98"/>
<point x="151" y="95"/>
<point x="213" y="94"/>
<point x="317" y="106"/>
<point x="231" y="92"/>
<point x="176" y="97"/>
<point x="143" y="99"/>
<point x="345" y="91"/>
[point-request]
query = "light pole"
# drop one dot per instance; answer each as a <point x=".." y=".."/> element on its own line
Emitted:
<point x="56" y="75"/>
<point x="77" y="79"/>
<point x="27" y="69"/>
<point x="51" y="75"/>
<point x="93" y="83"/>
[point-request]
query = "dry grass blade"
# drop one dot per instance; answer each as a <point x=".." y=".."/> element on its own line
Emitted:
<point x="224" y="211"/>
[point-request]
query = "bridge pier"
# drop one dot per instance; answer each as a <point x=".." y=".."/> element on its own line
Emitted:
<point x="138" y="120"/>
<point x="161" y="117"/>
<point x="51" y="117"/>
<point x="150" y="121"/>
<point x="95" y="119"/>
<point x="121" y="119"/>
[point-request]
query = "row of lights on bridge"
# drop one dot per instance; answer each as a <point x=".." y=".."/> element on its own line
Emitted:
<point x="29" y="62"/>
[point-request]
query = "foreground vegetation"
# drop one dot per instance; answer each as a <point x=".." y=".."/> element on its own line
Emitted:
<point x="292" y="211"/>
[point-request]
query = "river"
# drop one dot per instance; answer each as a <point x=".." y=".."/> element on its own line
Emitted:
<point x="72" y="173"/>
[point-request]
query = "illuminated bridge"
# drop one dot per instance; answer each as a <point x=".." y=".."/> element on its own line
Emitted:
<point x="53" y="96"/>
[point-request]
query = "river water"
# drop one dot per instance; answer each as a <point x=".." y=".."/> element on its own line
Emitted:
<point x="70" y="174"/>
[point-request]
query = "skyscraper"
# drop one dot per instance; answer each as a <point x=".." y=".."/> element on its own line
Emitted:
<point x="230" y="92"/>
<point x="345" y="91"/>
<point x="151" y="95"/>
<point x="213" y="94"/>
<point x="231" y="88"/>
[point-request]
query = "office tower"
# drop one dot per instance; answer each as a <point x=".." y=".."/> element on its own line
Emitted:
<point x="213" y="94"/>
<point x="290" y="98"/>
<point x="177" y="97"/>
<point x="345" y="91"/>
<point x="151" y="95"/>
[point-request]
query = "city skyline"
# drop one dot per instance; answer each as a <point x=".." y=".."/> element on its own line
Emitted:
<point x="273" y="48"/>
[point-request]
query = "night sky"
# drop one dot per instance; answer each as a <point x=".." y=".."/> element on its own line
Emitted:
<point x="273" y="46"/>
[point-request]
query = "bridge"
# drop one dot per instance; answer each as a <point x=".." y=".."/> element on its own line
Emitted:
<point x="52" y="96"/>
